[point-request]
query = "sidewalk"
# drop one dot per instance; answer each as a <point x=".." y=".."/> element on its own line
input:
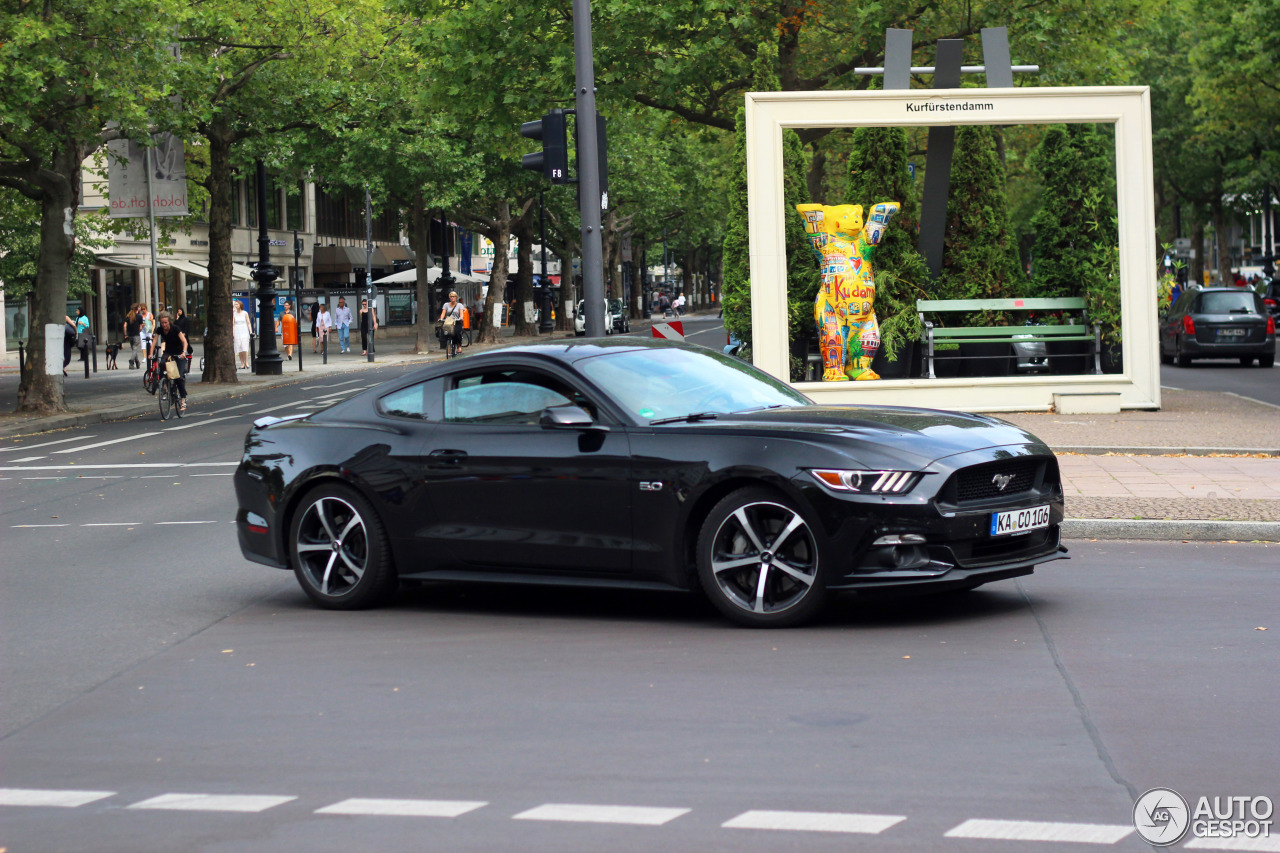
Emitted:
<point x="1207" y="466"/>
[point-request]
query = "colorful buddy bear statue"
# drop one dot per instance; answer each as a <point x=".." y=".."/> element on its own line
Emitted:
<point x="848" y="333"/>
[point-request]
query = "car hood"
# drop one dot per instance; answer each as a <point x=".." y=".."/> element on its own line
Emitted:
<point x="909" y="435"/>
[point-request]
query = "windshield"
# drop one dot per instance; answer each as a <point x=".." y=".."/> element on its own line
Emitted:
<point x="654" y="384"/>
<point x="1228" y="302"/>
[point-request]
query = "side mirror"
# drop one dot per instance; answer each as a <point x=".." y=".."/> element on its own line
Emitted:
<point x="566" y="417"/>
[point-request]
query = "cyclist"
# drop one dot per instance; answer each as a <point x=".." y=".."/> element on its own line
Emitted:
<point x="452" y="311"/>
<point x="174" y="343"/>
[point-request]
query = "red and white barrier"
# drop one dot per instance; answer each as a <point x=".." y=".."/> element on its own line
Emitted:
<point x="672" y="331"/>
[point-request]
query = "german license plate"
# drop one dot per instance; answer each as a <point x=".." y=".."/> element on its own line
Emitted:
<point x="1232" y="333"/>
<point x="1019" y="520"/>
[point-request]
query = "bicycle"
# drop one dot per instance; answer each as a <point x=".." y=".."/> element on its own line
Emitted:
<point x="466" y="338"/>
<point x="151" y="376"/>
<point x="169" y="400"/>
<point x="449" y="343"/>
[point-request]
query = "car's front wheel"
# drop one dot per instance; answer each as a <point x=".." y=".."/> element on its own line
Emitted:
<point x="340" y="552"/>
<point x="758" y="560"/>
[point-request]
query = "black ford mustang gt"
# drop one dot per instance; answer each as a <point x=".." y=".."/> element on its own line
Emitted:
<point x="645" y="464"/>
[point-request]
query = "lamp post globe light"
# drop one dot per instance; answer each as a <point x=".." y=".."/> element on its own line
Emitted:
<point x="268" y="362"/>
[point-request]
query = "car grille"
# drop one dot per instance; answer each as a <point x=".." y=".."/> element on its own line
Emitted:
<point x="979" y="483"/>
<point x="983" y="552"/>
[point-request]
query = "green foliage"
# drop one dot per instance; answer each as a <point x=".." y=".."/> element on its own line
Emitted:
<point x="979" y="259"/>
<point x="878" y="172"/>
<point x="20" y="246"/>
<point x="1076" y="168"/>
<point x="736" y="286"/>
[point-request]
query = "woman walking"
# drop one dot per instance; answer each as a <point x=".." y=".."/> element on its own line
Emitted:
<point x="133" y="334"/>
<point x="368" y="323"/>
<point x="183" y="322"/>
<point x="146" y="328"/>
<point x="287" y="327"/>
<point x="240" y="333"/>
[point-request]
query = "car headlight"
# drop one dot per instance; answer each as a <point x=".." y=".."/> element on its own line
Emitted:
<point x="867" y="482"/>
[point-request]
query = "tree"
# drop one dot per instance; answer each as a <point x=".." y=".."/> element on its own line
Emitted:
<point x="71" y="79"/>
<point x="979" y="260"/>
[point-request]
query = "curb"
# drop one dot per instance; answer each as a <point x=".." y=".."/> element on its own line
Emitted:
<point x="1102" y="450"/>
<point x="1197" y="531"/>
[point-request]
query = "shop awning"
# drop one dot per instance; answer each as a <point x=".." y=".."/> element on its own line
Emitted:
<point x="121" y="261"/>
<point x="186" y="266"/>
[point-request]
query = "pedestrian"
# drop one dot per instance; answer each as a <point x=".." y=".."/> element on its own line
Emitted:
<point x="68" y="341"/>
<point x="83" y="339"/>
<point x="664" y="305"/>
<point x="313" y="311"/>
<point x="241" y="331"/>
<point x="287" y="327"/>
<point x="183" y="322"/>
<point x="172" y="343"/>
<point x="368" y="324"/>
<point x="147" y="329"/>
<point x="678" y="305"/>
<point x="342" y="320"/>
<point x="133" y="334"/>
<point x="324" y="322"/>
<point x="19" y="324"/>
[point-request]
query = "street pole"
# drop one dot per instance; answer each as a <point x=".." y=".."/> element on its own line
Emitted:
<point x="589" y="198"/>
<point x="446" y="281"/>
<point x="151" y="218"/>
<point x="295" y="287"/>
<point x="268" y="363"/>
<point x="545" y="326"/>
<point x="1268" y="259"/>
<point x="370" y="290"/>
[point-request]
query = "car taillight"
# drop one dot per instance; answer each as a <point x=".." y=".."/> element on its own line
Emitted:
<point x="1270" y="303"/>
<point x="1188" y="325"/>
<point x="1271" y="325"/>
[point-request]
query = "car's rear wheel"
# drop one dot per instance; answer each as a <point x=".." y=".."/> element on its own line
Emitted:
<point x="758" y="560"/>
<point x="1183" y="360"/>
<point x="1268" y="360"/>
<point x="340" y="551"/>
<point x="1246" y="361"/>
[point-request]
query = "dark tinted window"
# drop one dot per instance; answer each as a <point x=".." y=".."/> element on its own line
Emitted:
<point x="1229" y="302"/>
<point x="424" y="401"/>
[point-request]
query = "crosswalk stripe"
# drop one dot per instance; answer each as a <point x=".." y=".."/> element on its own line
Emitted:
<point x="868" y="824"/>
<point x="403" y="808"/>
<point x="212" y="802"/>
<point x="46" y="797"/>
<point x="1031" y="830"/>
<point x="105" y="443"/>
<point x="46" y="444"/>
<point x="577" y="813"/>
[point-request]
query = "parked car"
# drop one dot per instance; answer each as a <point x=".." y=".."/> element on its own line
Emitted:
<point x="616" y="317"/>
<point x="645" y="464"/>
<point x="1031" y="356"/>
<point x="580" y="320"/>
<point x="1271" y="296"/>
<point x="1218" y="322"/>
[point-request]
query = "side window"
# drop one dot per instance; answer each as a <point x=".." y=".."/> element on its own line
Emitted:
<point x="423" y="401"/>
<point x="505" y="397"/>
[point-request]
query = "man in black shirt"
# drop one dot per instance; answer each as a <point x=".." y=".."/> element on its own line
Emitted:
<point x="174" y="342"/>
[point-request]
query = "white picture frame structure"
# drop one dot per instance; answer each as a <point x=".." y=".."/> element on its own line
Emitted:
<point x="1127" y="108"/>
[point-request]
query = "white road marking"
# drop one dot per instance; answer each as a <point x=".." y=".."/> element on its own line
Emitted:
<point x="201" y="423"/>
<point x="1268" y="845"/>
<point x="404" y="808"/>
<point x="74" y="467"/>
<point x="27" y="459"/>
<point x="186" y="522"/>
<point x="47" y="443"/>
<point x="100" y="477"/>
<point x="212" y="802"/>
<point x="273" y="409"/>
<point x="105" y="443"/>
<point x="336" y="393"/>
<point x="1033" y="830"/>
<point x="42" y="797"/>
<point x="331" y="385"/>
<point x="113" y="524"/>
<point x="867" y="824"/>
<point x="227" y="474"/>
<point x="231" y="408"/>
<point x="576" y="813"/>
<point x="44" y="478"/>
<point x="16" y="526"/>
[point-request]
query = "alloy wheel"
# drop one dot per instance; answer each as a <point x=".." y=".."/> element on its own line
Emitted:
<point x="332" y="546"/>
<point x="764" y="558"/>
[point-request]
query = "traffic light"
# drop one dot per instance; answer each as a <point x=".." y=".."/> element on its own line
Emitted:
<point x="553" y="160"/>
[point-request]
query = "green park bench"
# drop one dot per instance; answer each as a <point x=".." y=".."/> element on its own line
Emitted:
<point x="934" y="334"/>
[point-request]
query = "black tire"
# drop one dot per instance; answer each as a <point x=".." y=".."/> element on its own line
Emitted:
<point x="736" y="548"/>
<point x="165" y="399"/>
<point x="149" y="380"/>
<point x="466" y="338"/>
<point x="339" y="550"/>
<point x="1183" y="360"/>
<point x="1268" y="360"/>
<point x="1165" y="359"/>
<point x="1246" y="361"/>
<point x="175" y="400"/>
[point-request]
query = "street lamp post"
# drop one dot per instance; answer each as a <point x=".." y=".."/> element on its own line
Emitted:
<point x="370" y="290"/>
<point x="446" y="281"/>
<point x="1268" y="259"/>
<point x="545" y="326"/>
<point x="268" y="363"/>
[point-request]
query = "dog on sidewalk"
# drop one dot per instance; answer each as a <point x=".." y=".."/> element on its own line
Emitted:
<point x="113" y="350"/>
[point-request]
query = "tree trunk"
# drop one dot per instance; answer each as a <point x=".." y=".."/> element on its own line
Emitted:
<point x="219" y="349"/>
<point x="524" y="324"/>
<point x="1197" y="245"/>
<point x="420" y="240"/>
<point x="1220" y="236"/>
<point x="815" y="178"/>
<point x="501" y="238"/>
<point x="44" y="392"/>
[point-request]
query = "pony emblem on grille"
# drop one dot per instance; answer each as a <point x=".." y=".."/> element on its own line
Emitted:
<point x="1002" y="481"/>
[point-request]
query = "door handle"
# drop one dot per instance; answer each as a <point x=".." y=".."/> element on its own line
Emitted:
<point x="448" y="457"/>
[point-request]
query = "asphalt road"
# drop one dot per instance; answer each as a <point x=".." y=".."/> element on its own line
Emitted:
<point x="1256" y="383"/>
<point x="201" y="703"/>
